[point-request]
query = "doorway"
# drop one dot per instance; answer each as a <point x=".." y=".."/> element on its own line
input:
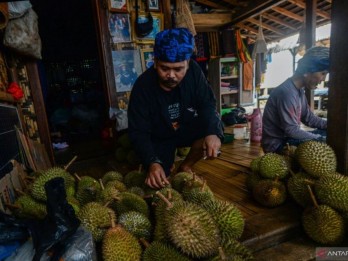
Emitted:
<point x="75" y="99"/>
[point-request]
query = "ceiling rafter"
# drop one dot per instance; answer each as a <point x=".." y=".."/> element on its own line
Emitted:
<point x="278" y="20"/>
<point x="212" y="4"/>
<point x="287" y="13"/>
<point x="319" y="12"/>
<point x="266" y="26"/>
<point x="236" y="2"/>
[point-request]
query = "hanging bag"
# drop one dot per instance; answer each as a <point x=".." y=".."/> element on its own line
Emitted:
<point x="183" y="16"/>
<point x="22" y="35"/>
<point x="143" y="29"/>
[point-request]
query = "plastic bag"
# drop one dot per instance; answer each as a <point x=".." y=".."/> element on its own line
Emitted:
<point x="79" y="247"/>
<point x="22" y="35"/>
<point x="17" y="9"/>
<point x="121" y="118"/>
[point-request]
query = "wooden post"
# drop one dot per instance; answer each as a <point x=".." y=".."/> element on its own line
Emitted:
<point x="338" y="92"/>
<point x="311" y="7"/>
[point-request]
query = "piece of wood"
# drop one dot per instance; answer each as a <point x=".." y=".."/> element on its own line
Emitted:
<point x="289" y="14"/>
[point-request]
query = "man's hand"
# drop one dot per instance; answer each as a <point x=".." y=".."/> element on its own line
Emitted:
<point x="156" y="177"/>
<point x="211" y="146"/>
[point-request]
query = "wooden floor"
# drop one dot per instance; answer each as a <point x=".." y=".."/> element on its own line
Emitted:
<point x="272" y="234"/>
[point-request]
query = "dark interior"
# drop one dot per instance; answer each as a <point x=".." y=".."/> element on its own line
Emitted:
<point x="71" y="79"/>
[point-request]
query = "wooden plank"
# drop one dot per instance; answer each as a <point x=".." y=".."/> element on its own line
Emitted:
<point x="287" y="13"/>
<point x="211" y="4"/>
<point x="319" y="12"/>
<point x="211" y="19"/>
<point x="266" y="26"/>
<point x="279" y="21"/>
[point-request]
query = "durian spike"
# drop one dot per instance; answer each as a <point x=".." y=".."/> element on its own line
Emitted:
<point x="70" y="162"/>
<point x="169" y="195"/>
<point x="169" y="204"/>
<point x="144" y="242"/>
<point x="77" y="176"/>
<point x="315" y="203"/>
<point x="101" y="184"/>
<point x="222" y="254"/>
<point x="112" y="219"/>
<point x="19" y="192"/>
<point x="140" y="168"/>
<point x="12" y="206"/>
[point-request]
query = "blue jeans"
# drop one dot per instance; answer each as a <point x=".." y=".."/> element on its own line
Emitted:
<point x="296" y="142"/>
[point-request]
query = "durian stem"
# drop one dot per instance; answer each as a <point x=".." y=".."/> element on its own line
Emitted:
<point x="29" y="178"/>
<point x="309" y="182"/>
<point x="101" y="184"/>
<point x="144" y="242"/>
<point x="77" y="176"/>
<point x="315" y="203"/>
<point x="12" y="206"/>
<point x="291" y="172"/>
<point x="161" y="196"/>
<point x="169" y="194"/>
<point x="22" y="181"/>
<point x="276" y="179"/>
<point x="204" y="184"/>
<point x="70" y="162"/>
<point x="19" y="192"/>
<point x="112" y="218"/>
<point x="222" y="254"/>
<point x="140" y="168"/>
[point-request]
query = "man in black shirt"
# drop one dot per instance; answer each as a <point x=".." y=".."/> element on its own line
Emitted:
<point x="172" y="105"/>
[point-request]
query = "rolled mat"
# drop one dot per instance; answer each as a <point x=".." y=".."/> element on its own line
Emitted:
<point x="3" y="15"/>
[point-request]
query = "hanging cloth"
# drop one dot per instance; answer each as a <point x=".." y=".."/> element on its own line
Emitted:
<point x="260" y="44"/>
<point x="242" y="51"/>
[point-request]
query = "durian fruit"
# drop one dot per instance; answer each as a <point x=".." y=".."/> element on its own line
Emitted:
<point x="269" y="193"/>
<point x="297" y="187"/>
<point x="192" y="229"/>
<point x="120" y="186"/>
<point x="183" y="151"/>
<point x="74" y="203"/>
<point x="127" y="201"/>
<point x="159" y="251"/>
<point x="108" y="196"/>
<point x="178" y="180"/>
<point x="136" y="223"/>
<point x="228" y="218"/>
<point x="96" y="218"/>
<point x="232" y="250"/>
<point x="87" y="190"/>
<point x="332" y="190"/>
<point x="28" y="207"/>
<point x="255" y="165"/>
<point x="38" y="187"/>
<point x="160" y="201"/>
<point x="134" y="178"/>
<point x="324" y="225"/>
<point x="132" y="158"/>
<point x="316" y="158"/>
<point x="197" y="194"/>
<point x="124" y="141"/>
<point x="120" y="245"/>
<point x="273" y="166"/>
<point x="252" y="179"/>
<point x="121" y="154"/>
<point x="137" y="190"/>
<point x="112" y="175"/>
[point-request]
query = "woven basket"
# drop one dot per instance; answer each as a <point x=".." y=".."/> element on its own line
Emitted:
<point x="183" y="16"/>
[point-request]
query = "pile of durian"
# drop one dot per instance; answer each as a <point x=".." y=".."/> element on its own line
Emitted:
<point x="125" y="152"/>
<point x="183" y="221"/>
<point x="308" y="174"/>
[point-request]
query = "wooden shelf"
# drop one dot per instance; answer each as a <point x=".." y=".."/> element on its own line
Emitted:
<point x="229" y="77"/>
<point x="228" y="92"/>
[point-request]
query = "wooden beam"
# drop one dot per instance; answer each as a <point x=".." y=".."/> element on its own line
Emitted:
<point x="211" y="19"/>
<point x="210" y="4"/>
<point x="167" y="14"/>
<point x="337" y="132"/>
<point x="278" y="20"/>
<point x="236" y="2"/>
<point x="255" y="8"/>
<point x="319" y="12"/>
<point x="266" y="26"/>
<point x="252" y="30"/>
<point x="287" y="13"/>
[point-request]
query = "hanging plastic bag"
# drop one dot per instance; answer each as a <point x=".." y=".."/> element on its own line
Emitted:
<point x="183" y="17"/>
<point x="260" y="44"/>
<point x="22" y="35"/>
<point x="17" y="9"/>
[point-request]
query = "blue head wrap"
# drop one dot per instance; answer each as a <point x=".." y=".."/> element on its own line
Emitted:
<point x="174" y="45"/>
<point x="316" y="59"/>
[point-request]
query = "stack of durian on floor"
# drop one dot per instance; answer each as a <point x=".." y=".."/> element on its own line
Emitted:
<point x="313" y="183"/>
<point x="130" y="221"/>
